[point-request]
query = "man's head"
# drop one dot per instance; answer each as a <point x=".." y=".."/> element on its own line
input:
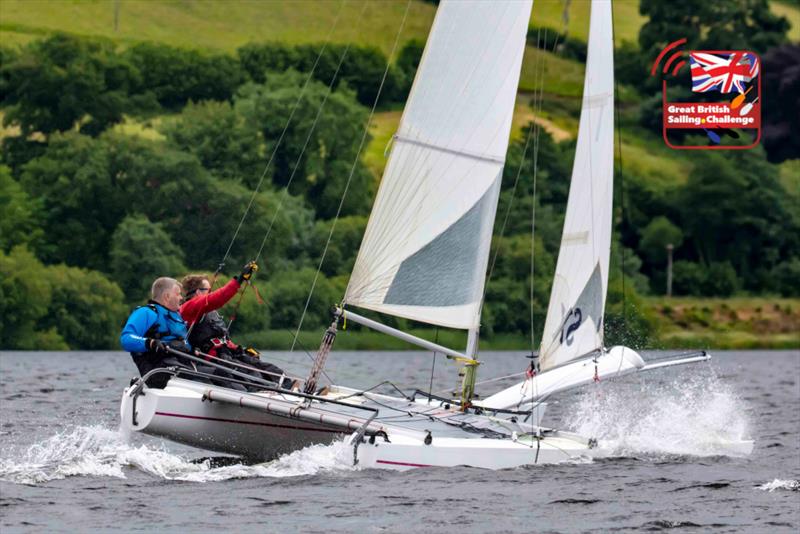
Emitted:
<point x="195" y="284"/>
<point x="167" y="292"/>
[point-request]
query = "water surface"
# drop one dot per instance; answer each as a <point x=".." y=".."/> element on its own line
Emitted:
<point x="64" y="464"/>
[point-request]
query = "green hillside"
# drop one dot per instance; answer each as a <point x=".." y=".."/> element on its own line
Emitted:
<point x="169" y="119"/>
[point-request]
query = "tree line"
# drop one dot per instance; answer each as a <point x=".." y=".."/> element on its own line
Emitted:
<point x="92" y="215"/>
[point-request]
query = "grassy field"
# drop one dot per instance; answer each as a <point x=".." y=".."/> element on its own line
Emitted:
<point x="733" y="323"/>
<point x="227" y="25"/>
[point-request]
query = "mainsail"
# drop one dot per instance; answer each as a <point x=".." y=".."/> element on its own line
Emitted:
<point x="574" y="324"/>
<point x="426" y="245"/>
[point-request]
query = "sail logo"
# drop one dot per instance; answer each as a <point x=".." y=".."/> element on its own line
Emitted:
<point x="571" y="323"/>
<point x="723" y="109"/>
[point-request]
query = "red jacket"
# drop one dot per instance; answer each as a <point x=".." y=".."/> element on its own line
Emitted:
<point x="202" y="303"/>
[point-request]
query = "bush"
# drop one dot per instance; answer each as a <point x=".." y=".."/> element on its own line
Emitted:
<point x="721" y="280"/>
<point x="688" y="278"/>
<point x="25" y="294"/>
<point x="176" y="76"/>
<point x="86" y="308"/>
<point x="785" y="278"/>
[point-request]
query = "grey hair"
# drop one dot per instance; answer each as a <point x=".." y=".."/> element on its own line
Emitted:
<point x="161" y="286"/>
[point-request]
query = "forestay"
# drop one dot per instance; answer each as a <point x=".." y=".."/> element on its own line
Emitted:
<point x="574" y="324"/>
<point x="426" y="245"/>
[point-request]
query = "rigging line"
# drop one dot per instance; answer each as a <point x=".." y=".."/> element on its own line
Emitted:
<point x="308" y="139"/>
<point x="533" y="202"/>
<point x="311" y="357"/>
<point x="536" y="146"/>
<point x="283" y="133"/>
<point x="621" y="176"/>
<point x="433" y="362"/>
<point x="352" y="172"/>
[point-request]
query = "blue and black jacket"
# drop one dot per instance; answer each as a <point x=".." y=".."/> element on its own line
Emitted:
<point x="152" y="321"/>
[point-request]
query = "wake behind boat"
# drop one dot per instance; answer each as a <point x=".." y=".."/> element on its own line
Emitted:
<point x="424" y="257"/>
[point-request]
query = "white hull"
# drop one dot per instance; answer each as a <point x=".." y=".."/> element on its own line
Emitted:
<point x="404" y="453"/>
<point x="181" y="412"/>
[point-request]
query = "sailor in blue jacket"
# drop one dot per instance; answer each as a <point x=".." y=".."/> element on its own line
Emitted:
<point x="154" y="327"/>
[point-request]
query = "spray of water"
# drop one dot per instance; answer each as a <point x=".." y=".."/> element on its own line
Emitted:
<point x="98" y="451"/>
<point x="778" y="484"/>
<point x="693" y="415"/>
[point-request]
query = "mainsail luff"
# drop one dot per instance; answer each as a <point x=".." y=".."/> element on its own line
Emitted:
<point x="426" y="247"/>
<point x="574" y="324"/>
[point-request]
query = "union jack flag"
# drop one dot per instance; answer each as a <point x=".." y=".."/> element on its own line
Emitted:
<point x="712" y="72"/>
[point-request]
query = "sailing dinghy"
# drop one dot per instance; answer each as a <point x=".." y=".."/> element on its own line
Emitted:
<point x="424" y="257"/>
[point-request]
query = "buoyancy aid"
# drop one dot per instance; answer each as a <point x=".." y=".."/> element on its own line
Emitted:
<point x="168" y="327"/>
<point x="210" y="334"/>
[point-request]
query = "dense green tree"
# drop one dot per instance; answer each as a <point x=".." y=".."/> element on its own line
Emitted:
<point x="733" y="208"/>
<point x="257" y="59"/>
<point x="86" y="308"/>
<point x="710" y="25"/>
<point x="407" y="62"/>
<point x="287" y="292"/>
<point x="25" y="294"/>
<point x="19" y="224"/>
<point x="320" y="144"/>
<point x="659" y="233"/>
<point x="131" y="175"/>
<point x="344" y="245"/>
<point x="141" y="251"/>
<point x="176" y="76"/>
<point x="781" y="107"/>
<point x="360" y="67"/>
<point x="221" y="139"/>
<point x="62" y="80"/>
<point x="785" y="278"/>
<point x="248" y="313"/>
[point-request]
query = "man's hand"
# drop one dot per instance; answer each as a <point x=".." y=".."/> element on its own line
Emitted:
<point x="247" y="272"/>
<point x="155" y="345"/>
<point x="250" y="351"/>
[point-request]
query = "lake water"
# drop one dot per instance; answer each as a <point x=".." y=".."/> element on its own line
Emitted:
<point x="64" y="466"/>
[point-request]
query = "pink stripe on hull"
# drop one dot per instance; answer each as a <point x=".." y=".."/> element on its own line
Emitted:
<point x="402" y="463"/>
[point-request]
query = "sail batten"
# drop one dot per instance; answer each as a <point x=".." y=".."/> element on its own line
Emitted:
<point x="426" y="247"/>
<point x="574" y="324"/>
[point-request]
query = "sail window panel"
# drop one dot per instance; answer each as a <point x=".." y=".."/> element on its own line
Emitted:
<point x="447" y="271"/>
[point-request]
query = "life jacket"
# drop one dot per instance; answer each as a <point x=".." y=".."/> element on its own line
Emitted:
<point x="210" y="334"/>
<point x="168" y="327"/>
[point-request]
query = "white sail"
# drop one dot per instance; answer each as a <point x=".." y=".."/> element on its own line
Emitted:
<point x="574" y="324"/>
<point x="426" y="245"/>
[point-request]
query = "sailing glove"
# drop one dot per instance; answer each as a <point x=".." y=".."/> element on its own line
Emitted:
<point x="247" y="271"/>
<point x="155" y="345"/>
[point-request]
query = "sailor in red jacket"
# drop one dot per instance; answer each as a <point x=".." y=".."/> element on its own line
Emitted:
<point x="207" y="329"/>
